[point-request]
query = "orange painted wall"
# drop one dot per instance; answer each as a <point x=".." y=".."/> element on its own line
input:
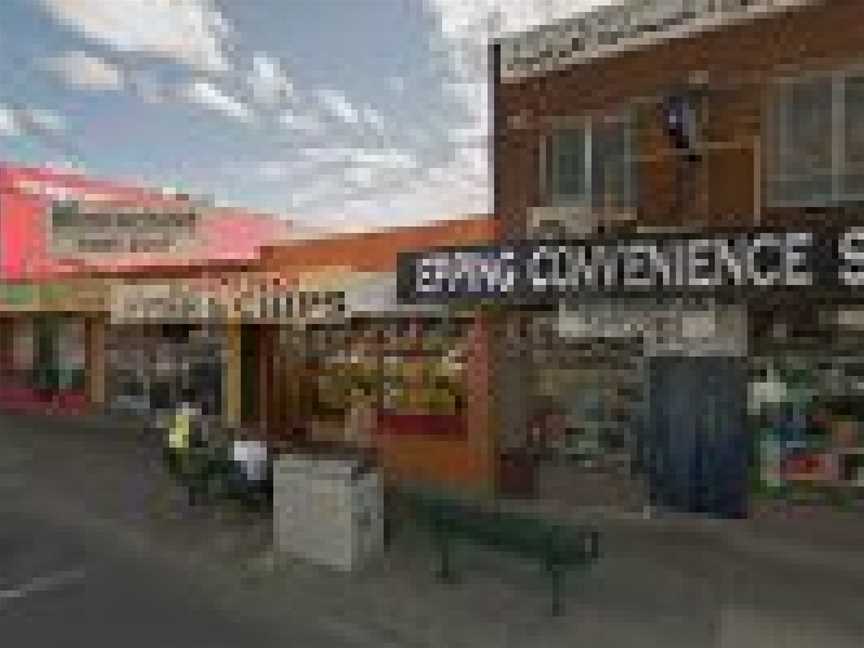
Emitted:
<point x="467" y="463"/>
<point x="429" y="460"/>
<point x="375" y="251"/>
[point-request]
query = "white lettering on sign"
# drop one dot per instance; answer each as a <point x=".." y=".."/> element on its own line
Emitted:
<point x="762" y="260"/>
<point x="763" y="274"/>
<point x="613" y="28"/>
<point x="851" y="251"/>
<point x="638" y="266"/>
<point x="702" y="269"/>
<point x="467" y="271"/>
<point x="796" y="271"/>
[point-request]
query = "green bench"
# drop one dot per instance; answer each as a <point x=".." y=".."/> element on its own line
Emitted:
<point x="451" y="519"/>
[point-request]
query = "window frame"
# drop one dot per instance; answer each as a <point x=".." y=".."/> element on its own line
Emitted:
<point x="777" y="106"/>
<point x="587" y="124"/>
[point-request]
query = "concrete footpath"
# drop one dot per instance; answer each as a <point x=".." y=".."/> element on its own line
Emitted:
<point x="663" y="582"/>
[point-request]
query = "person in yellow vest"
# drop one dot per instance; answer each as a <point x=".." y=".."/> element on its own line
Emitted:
<point x="179" y="439"/>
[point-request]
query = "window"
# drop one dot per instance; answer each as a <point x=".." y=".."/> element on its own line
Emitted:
<point x="592" y="165"/>
<point x="568" y="177"/>
<point x="818" y="144"/>
<point x="64" y="215"/>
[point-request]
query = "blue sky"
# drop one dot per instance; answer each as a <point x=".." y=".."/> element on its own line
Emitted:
<point x="342" y="114"/>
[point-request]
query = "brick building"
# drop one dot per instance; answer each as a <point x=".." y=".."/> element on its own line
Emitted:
<point x="678" y="191"/>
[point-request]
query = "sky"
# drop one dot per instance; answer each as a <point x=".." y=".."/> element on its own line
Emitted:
<point x="344" y="115"/>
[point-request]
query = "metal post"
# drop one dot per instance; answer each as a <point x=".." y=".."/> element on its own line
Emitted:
<point x="557" y="589"/>
<point x="444" y="546"/>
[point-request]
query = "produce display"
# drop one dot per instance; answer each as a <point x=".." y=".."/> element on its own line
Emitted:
<point x="809" y="432"/>
<point x="406" y="378"/>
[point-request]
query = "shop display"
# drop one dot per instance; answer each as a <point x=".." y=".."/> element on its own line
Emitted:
<point x="148" y="371"/>
<point x="393" y="376"/>
<point x="810" y="432"/>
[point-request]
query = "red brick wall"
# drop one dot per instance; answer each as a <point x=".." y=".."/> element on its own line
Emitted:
<point x="740" y="62"/>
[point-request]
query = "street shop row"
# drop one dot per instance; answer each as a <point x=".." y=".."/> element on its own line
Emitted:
<point x="296" y="345"/>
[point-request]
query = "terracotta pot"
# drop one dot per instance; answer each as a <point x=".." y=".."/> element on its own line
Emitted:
<point x="518" y="474"/>
<point x="844" y="434"/>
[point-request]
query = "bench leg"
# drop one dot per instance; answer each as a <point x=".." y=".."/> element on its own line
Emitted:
<point x="389" y="523"/>
<point x="557" y="575"/>
<point x="594" y="544"/>
<point x="388" y="531"/>
<point x="444" y="548"/>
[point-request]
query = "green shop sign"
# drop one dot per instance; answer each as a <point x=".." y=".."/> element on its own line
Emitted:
<point x="53" y="293"/>
<point x="36" y="295"/>
<point x="18" y="294"/>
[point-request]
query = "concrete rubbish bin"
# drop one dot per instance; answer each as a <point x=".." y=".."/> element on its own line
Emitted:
<point x="327" y="510"/>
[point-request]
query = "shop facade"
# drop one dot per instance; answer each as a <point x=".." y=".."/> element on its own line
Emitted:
<point x="676" y="271"/>
<point x="47" y="337"/>
<point x="93" y="298"/>
<point x="405" y="382"/>
<point x="162" y="346"/>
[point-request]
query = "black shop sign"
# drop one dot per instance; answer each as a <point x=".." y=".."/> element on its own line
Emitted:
<point x="740" y="264"/>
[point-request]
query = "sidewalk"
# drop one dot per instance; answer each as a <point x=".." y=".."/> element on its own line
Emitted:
<point x="827" y="539"/>
<point x="818" y="538"/>
<point x="670" y="582"/>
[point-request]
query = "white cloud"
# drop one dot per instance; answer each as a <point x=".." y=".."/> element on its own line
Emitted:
<point x="397" y="84"/>
<point x="45" y="119"/>
<point x="22" y="120"/>
<point x="274" y="169"/>
<point x="373" y="118"/>
<point x="388" y="158"/>
<point x="84" y="70"/>
<point x="270" y="85"/>
<point x="338" y="105"/>
<point x="148" y="88"/>
<point x="9" y="126"/>
<point x="361" y="176"/>
<point x="327" y="154"/>
<point x="188" y="31"/>
<point x="208" y="95"/>
<point x="481" y="18"/>
<point x="468" y="136"/>
<point x="324" y="187"/>
<point x="299" y="123"/>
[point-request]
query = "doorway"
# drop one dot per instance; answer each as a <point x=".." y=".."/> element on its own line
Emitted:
<point x="696" y="434"/>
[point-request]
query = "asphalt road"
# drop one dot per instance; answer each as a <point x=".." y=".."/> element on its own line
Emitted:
<point x="70" y="575"/>
<point x="62" y="589"/>
<point x="84" y="562"/>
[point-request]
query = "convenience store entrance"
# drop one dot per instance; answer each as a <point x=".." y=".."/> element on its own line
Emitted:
<point x="697" y="434"/>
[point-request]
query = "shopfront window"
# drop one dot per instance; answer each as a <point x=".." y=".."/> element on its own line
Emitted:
<point x="585" y="400"/>
<point x="388" y="376"/>
<point x="424" y="373"/>
<point x="818" y="144"/>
